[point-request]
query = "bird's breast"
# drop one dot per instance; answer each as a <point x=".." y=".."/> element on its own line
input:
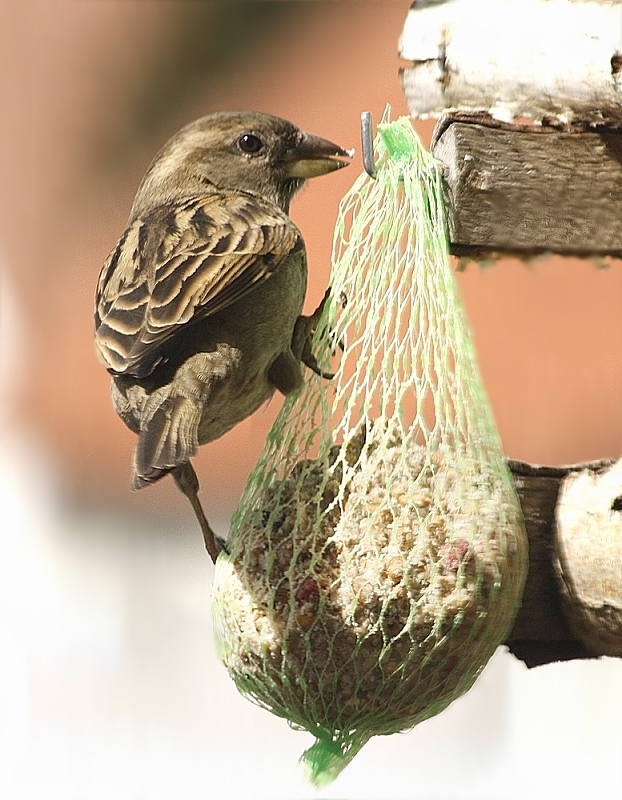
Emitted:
<point x="253" y="332"/>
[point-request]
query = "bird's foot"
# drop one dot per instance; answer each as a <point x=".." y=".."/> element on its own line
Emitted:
<point x="303" y="333"/>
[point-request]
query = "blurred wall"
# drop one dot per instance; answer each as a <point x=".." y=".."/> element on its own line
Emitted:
<point x="90" y="90"/>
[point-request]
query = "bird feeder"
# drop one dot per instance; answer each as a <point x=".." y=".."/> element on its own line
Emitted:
<point x="548" y="183"/>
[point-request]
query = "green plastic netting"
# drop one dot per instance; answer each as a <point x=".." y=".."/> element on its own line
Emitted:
<point x="378" y="554"/>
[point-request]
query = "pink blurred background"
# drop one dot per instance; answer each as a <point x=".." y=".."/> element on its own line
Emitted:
<point x="110" y="677"/>
<point x="90" y="90"/>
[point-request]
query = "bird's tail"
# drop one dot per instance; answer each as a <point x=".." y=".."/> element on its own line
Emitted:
<point x="169" y="438"/>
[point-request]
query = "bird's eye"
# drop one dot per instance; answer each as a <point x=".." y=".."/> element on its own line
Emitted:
<point x="249" y="143"/>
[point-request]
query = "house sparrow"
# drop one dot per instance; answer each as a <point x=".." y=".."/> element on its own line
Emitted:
<point x="198" y="306"/>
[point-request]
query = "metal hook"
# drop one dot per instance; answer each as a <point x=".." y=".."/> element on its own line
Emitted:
<point x="367" y="140"/>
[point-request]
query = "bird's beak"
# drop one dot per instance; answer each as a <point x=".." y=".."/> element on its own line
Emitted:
<point x="313" y="156"/>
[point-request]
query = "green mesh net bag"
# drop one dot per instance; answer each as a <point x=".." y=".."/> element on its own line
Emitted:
<point x="378" y="555"/>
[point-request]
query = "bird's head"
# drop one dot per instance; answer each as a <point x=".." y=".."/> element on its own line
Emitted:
<point x="238" y="150"/>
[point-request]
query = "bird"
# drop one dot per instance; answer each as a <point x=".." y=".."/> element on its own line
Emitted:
<point x="198" y="309"/>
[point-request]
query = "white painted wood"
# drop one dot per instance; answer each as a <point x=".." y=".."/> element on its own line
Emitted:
<point x="515" y="58"/>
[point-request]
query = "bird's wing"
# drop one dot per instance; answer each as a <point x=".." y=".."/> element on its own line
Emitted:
<point x="181" y="263"/>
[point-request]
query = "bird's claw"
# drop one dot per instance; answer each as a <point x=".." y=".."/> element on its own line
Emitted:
<point x="221" y="545"/>
<point x="343" y="299"/>
<point x="309" y="360"/>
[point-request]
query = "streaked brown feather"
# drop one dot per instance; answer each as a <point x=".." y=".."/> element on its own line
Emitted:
<point x="183" y="262"/>
<point x="168" y="438"/>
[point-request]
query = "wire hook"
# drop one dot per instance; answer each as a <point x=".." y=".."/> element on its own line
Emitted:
<point x="367" y="140"/>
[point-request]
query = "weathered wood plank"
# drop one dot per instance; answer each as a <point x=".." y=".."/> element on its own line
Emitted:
<point x="529" y="189"/>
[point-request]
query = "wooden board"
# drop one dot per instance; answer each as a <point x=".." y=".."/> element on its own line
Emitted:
<point x="542" y="632"/>
<point x="528" y="189"/>
<point x="588" y="556"/>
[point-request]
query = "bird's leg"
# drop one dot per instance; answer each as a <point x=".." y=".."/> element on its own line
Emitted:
<point x="284" y="372"/>
<point x="187" y="482"/>
<point x="301" y="344"/>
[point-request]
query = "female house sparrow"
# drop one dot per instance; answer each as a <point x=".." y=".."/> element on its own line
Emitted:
<point x="198" y="306"/>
